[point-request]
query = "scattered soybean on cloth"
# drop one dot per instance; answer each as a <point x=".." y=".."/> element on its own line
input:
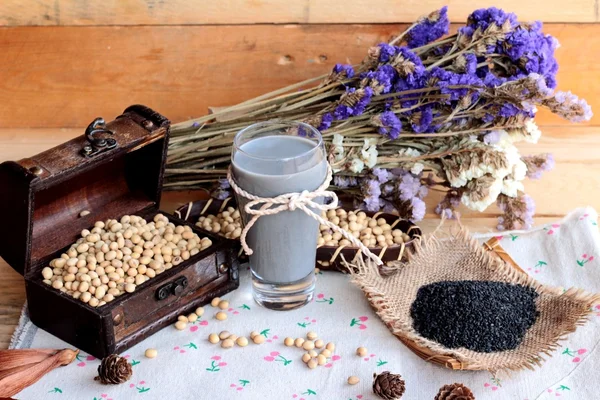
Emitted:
<point x="189" y="367"/>
<point x="483" y="316"/>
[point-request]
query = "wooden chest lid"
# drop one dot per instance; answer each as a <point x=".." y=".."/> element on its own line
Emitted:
<point x="112" y="170"/>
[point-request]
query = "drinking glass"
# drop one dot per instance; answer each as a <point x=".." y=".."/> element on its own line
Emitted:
<point x="270" y="159"/>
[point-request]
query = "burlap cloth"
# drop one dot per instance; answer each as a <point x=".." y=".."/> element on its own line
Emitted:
<point x="455" y="257"/>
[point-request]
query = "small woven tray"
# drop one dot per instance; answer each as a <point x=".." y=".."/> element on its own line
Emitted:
<point x="328" y="257"/>
<point x="192" y="211"/>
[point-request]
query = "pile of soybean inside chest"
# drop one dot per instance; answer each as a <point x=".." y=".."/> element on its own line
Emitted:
<point x="483" y="316"/>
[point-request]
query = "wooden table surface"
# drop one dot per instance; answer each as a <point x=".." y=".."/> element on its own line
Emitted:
<point x="574" y="182"/>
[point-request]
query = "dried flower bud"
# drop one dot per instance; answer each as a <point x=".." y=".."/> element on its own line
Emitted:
<point x="463" y="40"/>
<point x="460" y="63"/>
<point x="374" y="52"/>
<point x="465" y="101"/>
<point x="507" y="26"/>
<point x="434" y="16"/>
<point x="403" y="66"/>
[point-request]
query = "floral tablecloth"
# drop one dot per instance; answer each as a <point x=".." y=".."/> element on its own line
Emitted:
<point x="189" y="367"/>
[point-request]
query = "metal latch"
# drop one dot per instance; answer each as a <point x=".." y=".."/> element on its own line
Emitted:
<point x="174" y="288"/>
<point x="97" y="144"/>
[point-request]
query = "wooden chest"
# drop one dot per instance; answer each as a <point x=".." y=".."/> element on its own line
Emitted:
<point x="113" y="170"/>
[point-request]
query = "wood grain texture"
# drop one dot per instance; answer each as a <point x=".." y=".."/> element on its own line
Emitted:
<point x="66" y="76"/>
<point x="12" y="287"/>
<point x="575" y="149"/>
<point x="200" y="12"/>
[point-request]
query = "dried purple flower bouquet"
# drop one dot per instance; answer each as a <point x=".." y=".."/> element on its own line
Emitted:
<point x="421" y="112"/>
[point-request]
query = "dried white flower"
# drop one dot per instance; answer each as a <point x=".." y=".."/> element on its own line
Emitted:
<point x="417" y="168"/>
<point x="370" y="142"/>
<point x="511" y="153"/>
<point x="499" y="160"/>
<point x="480" y="204"/>
<point x="482" y="168"/>
<point x="369" y="153"/>
<point x="409" y="152"/>
<point x="356" y="165"/>
<point x="519" y="170"/>
<point x="503" y="138"/>
<point x="338" y="147"/>
<point x="529" y="133"/>
<point x="511" y="187"/>
<point x="513" y="184"/>
<point x="337" y="139"/>
<point x="533" y="132"/>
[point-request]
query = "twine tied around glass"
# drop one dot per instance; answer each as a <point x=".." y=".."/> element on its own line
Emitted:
<point x="295" y="201"/>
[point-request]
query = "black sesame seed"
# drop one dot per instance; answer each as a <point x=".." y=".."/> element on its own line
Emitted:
<point x="482" y="316"/>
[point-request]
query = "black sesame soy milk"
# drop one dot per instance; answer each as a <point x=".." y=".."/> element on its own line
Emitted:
<point x="271" y="159"/>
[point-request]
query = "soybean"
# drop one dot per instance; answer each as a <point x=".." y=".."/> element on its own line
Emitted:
<point x="258" y="339"/>
<point x="120" y="255"/>
<point x="227" y="344"/>
<point x="353" y="380"/>
<point x="221" y="316"/>
<point x="308" y="345"/>
<point x="224" y="335"/>
<point x="151" y="353"/>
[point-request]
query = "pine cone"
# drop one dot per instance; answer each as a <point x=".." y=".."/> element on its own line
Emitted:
<point x="456" y="391"/>
<point x="114" y="369"/>
<point x="388" y="386"/>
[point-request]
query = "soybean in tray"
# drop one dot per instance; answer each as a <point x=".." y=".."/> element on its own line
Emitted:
<point x="386" y="235"/>
<point x="103" y="267"/>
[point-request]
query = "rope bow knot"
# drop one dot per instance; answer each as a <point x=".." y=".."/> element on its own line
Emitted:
<point x="305" y="201"/>
<point x="297" y="200"/>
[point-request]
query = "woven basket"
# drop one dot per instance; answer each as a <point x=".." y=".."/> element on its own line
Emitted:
<point x="328" y="257"/>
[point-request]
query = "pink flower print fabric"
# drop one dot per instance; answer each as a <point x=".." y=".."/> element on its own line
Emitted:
<point x="560" y="253"/>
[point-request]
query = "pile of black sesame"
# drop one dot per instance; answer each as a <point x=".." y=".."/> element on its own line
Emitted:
<point x="482" y="316"/>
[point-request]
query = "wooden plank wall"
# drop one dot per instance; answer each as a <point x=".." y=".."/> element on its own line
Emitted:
<point x="65" y="62"/>
<point x="228" y="12"/>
